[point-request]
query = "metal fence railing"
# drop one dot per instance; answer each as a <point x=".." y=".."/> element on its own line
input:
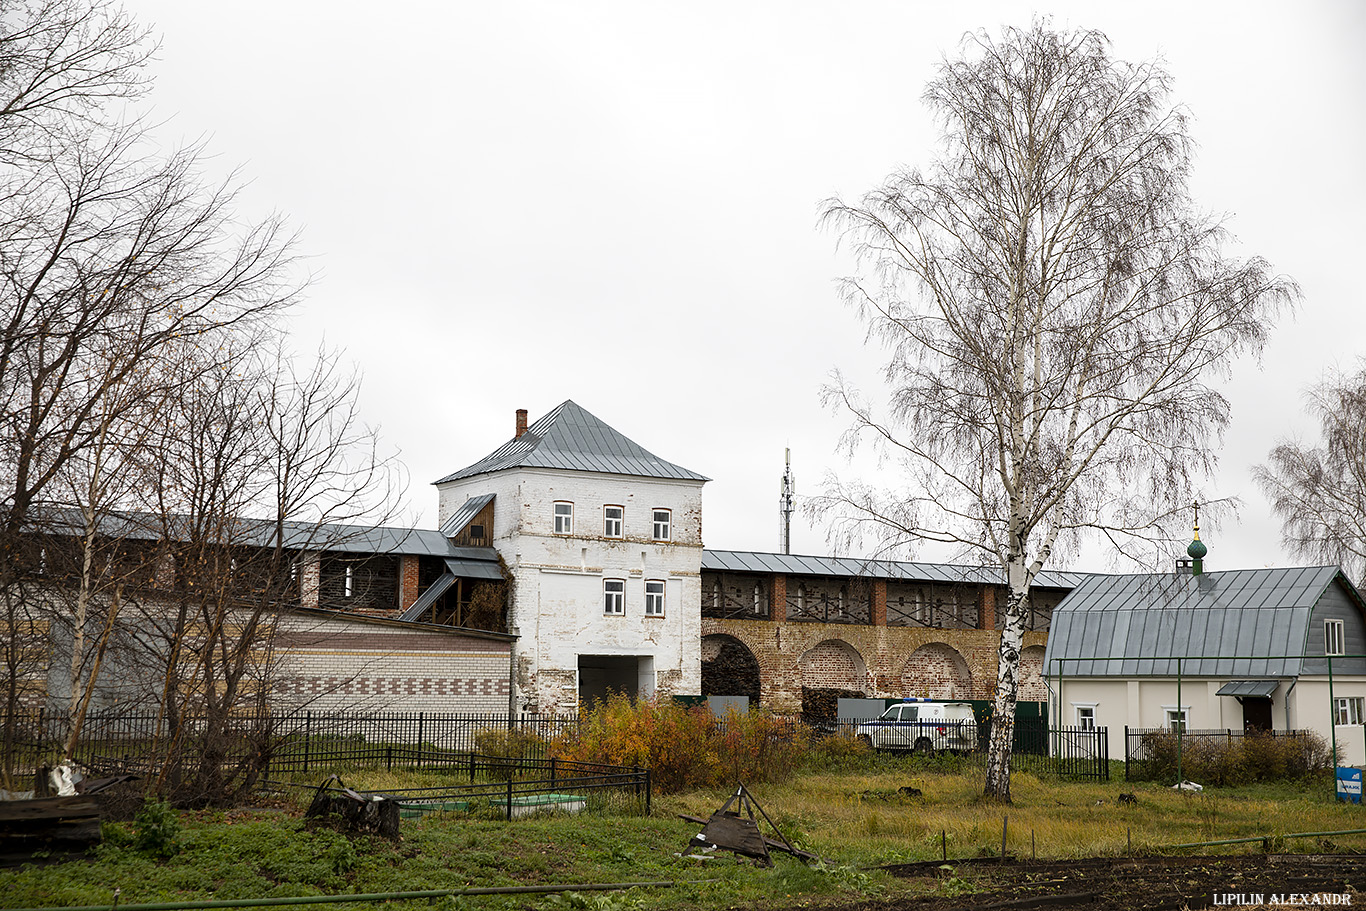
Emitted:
<point x="1069" y="752"/>
<point x="516" y="787"/>
<point x="302" y="741"/>
<point x="1217" y="756"/>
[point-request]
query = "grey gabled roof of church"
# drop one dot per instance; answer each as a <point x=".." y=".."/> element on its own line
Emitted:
<point x="572" y="439"/>
<point x="1235" y="622"/>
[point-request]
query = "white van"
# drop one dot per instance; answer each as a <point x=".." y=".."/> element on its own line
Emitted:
<point x="922" y="725"/>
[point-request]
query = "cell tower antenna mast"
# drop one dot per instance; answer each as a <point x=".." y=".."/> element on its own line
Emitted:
<point x="788" y="490"/>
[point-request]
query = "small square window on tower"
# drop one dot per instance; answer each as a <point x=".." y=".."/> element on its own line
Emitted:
<point x="564" y="517"/>
<point x="654" y="598"/>
<point x="612" y="518"/>
<point x="663" y="525"/>
<point x="614" y="595"/>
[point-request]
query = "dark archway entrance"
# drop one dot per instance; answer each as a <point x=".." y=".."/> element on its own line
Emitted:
<point x="729" y="668"/>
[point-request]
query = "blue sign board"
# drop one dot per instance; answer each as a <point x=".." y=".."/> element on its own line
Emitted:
<point x="1349" y="784"/>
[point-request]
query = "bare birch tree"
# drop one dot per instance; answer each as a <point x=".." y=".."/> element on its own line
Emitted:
<point x="1058" y="314"/>
<point x="261" y="462"/>
<point x="1319" y="489"/>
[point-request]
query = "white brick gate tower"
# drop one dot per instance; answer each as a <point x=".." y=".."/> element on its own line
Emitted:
<point x="603" y="540"/>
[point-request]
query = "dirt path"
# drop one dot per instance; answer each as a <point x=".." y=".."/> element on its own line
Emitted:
<point x="1143" y="884"/>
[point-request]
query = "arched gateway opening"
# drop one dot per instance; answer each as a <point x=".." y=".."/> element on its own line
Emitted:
<point x="729" y="668"/>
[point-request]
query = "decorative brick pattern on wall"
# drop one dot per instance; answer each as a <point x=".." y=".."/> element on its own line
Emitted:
<point x="779" y="649"/>
<point x="340" y="663"/>
<point x="367" y="685"/>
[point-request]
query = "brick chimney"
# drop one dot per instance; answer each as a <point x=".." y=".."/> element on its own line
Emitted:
<point x="521" y="421"/>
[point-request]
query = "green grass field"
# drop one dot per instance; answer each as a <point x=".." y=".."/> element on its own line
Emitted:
<point x="856" y="820"/>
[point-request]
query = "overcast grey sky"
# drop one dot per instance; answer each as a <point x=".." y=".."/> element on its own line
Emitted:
<point x="507" y="204"/>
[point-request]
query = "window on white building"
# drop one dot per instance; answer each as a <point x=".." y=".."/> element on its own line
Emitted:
<point x="1349" y="710"/>
<point x="564" y="517"/>
<point x="614" y="592"/>
<point x="612" y="517"/>
<point x="663" y="525"/>
<point x="1086" y="717"/>
<point x="654" y="598"/>
<point x="1176" y="719"/>
<point x="1333" y="643"/>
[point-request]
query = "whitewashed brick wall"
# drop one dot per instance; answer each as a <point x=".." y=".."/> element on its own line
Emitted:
<point x="557" y="601"/>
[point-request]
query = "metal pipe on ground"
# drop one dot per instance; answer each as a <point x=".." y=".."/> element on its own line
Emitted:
<point x="371" y="897"/>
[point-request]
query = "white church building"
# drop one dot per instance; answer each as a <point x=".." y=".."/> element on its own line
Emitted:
<point x="603" y="543"/>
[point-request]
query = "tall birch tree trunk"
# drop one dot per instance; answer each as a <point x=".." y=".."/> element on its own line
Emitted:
<point x="1059" y="314"/>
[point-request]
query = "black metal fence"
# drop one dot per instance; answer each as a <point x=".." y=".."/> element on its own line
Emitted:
<point x="320" y="740"/>
<point x="1068" y="752"/>
<point x="512" y="787"/>
<point x="1223" y="756"/>
<point x="113" y="740"/>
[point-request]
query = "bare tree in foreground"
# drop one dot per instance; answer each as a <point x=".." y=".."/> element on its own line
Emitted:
<point x="1057" y="310"/>
<point x="1319" y="491"/>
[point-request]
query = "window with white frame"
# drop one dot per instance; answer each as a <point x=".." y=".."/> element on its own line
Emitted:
<point x="758" y="598"/>
<point x="663" y="524"/>
<point x="614" y="596"/>
<point x="1086" y="717"/>
<point x="654" y="598"/>
<point x="564" y="517"/>
<point x="612" y="517"/>
<point x="1176" y="718"/>
<point x="1333" y="643"/>
<point x="1349" y="710"/>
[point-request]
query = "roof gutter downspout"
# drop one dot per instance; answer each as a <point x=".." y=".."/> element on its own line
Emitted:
<point x="1333" y="722"/>
<point x="1287" y="702"/>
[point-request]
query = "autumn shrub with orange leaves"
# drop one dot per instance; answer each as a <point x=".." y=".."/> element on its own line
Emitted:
<point x="685" y="747"/>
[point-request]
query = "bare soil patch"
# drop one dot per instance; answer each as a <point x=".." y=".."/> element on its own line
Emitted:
<point x="1143" y="883"/>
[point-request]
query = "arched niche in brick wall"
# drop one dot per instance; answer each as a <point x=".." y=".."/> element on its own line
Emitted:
<point x="729" y="668"/>
<point x="834" y="664"/>
<point x="937" y="670"/>
<point x="1032" y="688"/>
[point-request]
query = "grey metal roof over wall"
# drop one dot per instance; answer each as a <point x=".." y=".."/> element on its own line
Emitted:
<point x="361" y="539"/>
<point x="741" y="561"/>
<point x="570" y="438"/>
<point x="465" y="514"/>
<point x="1236" y="622"/>
<point x="428" y="598"/>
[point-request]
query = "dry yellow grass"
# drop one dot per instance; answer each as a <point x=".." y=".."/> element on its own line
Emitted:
<point x="864" y="815"/>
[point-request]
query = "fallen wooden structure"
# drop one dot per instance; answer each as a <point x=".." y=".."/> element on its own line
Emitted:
<point x="737" y="830"/>
<point x="59" y="827"/>
<point x="56" y="828"/>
